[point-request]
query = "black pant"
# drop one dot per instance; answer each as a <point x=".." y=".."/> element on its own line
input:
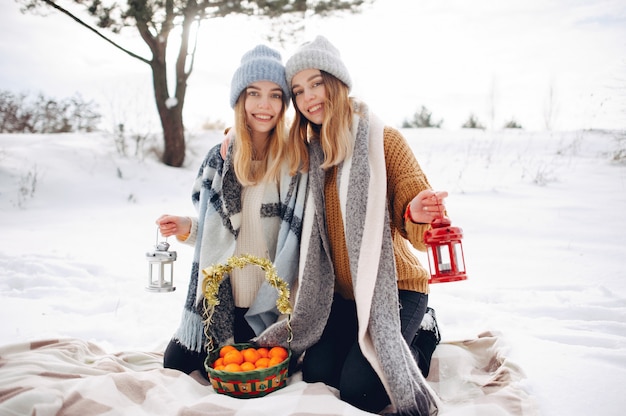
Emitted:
<point x="336" y="359"/>
<point x="412" y="309"/>
<point x="421" y="343"/>
<point x="178" y="357"/>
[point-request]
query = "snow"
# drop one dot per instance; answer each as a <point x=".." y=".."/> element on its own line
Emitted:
<point x="171" y="102"/>
<point x="542" y="213"/>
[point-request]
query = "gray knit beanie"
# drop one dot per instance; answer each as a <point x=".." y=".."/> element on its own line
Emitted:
<point x="260" y="64"/>
<point x="318" y="54"/>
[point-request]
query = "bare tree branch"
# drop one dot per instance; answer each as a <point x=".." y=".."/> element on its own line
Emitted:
<point x="67" y="12"/>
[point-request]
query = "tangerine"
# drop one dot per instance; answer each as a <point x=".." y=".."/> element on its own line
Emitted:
<point x="218" y="362"/>
<point x="262" y="362"/>
<point x="275" y="361"/>
<point x="250" y="355"/>
<point x="225" y="349"/>
<point x="278" y="352"/>
<point x="232" y="367"/>
<point x="247" y="366"/>
<point x="234" y="356"/>
<point x="263" y="352"/>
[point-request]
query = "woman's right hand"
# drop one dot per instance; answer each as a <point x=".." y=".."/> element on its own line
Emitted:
<point x="225" y="143"/>
<point x="224" y="147"/>
<point x="427" y="206"/>
<point x="173" y="225"/>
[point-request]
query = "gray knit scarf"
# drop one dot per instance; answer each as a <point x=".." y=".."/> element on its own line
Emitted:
<point x="372" y="265"/>
<point x="217" y="197"/>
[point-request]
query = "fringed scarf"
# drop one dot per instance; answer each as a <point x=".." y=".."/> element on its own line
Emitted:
<point x="217" y="197"/>
<point x="372" y="266"/>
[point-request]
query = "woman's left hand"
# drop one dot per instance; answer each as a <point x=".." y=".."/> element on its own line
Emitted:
<point x="427" y="206"/>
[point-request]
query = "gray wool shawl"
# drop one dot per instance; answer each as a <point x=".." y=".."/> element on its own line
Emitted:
<point x="217" y="198"/>
<point x="362" y="194"/>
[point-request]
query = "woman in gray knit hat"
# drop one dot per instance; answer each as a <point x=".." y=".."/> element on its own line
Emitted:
<point x="360" y="315"/>
<point x="246" y="202"/>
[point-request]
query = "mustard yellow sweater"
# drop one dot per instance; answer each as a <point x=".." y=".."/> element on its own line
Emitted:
<point x="405" y="179"/>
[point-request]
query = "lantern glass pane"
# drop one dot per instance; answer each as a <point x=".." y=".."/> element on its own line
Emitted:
<point x="431" y="260"/>
<point x="458" y="257"/>
<point x="443" y="255"/>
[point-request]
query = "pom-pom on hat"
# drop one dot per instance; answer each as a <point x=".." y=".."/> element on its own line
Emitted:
<point x="259" y="64"/>
<point x="318" y="54"/>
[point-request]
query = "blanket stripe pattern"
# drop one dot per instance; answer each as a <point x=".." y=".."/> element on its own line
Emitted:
<point x="74" y="377"/>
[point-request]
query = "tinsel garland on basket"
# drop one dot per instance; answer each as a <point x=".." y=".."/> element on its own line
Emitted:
<point x="214" y="274"/>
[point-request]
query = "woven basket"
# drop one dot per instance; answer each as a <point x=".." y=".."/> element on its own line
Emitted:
<point x="253" y="383"/>
<point x="247" y="384"/>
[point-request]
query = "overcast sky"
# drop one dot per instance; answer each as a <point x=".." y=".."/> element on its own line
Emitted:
<point x="455" y="57"/>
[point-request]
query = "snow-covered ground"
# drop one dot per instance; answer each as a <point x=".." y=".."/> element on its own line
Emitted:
<point x="544" y="217"/>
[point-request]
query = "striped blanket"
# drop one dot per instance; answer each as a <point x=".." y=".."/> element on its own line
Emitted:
<point x="75" y="377"/>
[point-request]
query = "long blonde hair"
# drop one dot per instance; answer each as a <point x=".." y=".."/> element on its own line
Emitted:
<point x="244" y="154"/>
<point x="334" y="133"/>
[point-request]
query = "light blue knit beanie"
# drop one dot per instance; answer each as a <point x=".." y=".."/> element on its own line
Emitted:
<point x="260" y="64"/>
<point x="318" y="54"/>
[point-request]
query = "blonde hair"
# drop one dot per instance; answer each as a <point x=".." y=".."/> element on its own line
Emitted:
<point x="243" y="156"/>
<point x="334" y="133"/>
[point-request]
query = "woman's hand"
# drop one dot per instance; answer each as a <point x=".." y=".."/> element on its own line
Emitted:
<point x="427" y="206"/>
<point x="224" y="147"/>
<point x="173" y="225"/>
<point x="225" y="143"/>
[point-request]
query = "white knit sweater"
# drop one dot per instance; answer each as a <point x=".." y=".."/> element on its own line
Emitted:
<point x="247" y="281"/>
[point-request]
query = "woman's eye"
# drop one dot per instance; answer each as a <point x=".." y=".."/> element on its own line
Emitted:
<point x="296" y="92"/>
<point x="278" y="96"/>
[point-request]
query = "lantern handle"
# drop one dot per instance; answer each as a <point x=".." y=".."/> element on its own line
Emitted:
<point x="157" y="236"/>
<point x="441" y="222"/>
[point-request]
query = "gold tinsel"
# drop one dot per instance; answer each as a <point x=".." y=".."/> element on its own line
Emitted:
<point x="214" y="274"/>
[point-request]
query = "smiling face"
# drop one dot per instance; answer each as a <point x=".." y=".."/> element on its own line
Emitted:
<point x="310" y="94"/>
<point x="263" y="106"/>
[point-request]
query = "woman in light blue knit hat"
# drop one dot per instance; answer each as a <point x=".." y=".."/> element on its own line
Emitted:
<point x="361" y="315"/>
<point x="247" y="203"/>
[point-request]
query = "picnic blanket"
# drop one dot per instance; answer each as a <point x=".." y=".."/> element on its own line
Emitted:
<point x="75" y="377"/>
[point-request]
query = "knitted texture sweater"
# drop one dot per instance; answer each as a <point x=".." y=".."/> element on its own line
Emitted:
<point x="405" y="179"/>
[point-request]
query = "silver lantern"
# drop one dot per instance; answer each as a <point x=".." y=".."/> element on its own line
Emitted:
<point x="161" y="268"/>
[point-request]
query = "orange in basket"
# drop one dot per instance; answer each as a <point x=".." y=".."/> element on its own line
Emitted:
<point x="248" y="358"/>
<point x="247" y="380"/>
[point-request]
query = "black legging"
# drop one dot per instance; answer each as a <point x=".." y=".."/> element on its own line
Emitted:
<point x="336" y="359"/>
<point x="178" y="357"/>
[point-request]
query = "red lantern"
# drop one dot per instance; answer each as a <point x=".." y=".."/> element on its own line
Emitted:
<point x="445" y="252"/>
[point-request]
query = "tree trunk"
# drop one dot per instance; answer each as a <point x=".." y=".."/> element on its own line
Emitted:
<point x="170" y="114"/>
<point x="170" y="111"/>
<point x="173" y="137"/>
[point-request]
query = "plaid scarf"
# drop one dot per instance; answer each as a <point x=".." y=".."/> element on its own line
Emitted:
<point x="217" y="198"/>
